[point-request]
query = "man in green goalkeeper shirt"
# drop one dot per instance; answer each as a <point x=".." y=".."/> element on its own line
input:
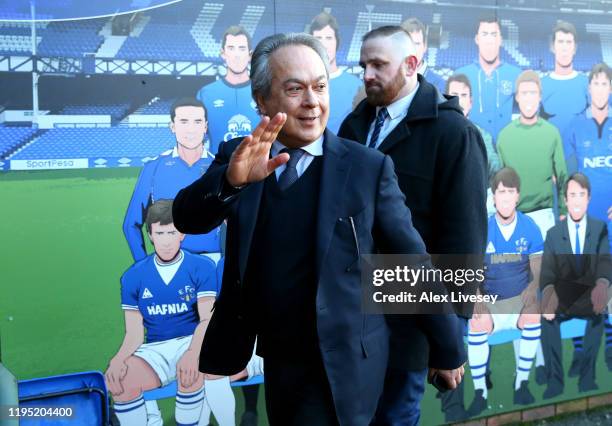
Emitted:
<point x="533" y="147"/>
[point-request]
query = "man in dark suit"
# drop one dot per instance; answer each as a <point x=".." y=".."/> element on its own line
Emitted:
<point x="441" y="164"/>
<point x="575" y="280"/>
<point x="301" y="205"/>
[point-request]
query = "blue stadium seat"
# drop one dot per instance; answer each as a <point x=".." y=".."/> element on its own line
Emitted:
<point x="84" y="392"/>
<point x="12" y="137"/>
<point x="91" y="142"/>
<point x="158" y="107"/>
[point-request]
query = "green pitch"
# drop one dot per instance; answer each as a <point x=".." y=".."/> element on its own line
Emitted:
<point x="63" y="251"/>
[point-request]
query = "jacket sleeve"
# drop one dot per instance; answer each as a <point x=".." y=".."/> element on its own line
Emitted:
<point x="134" y="216"/>
<point x="394" y="233"/>
<point x="460" y="198"/>
<point x="604" y="258"/>
<point x="560" y="169"/>
<point x="462" y="227"/>
<point x="200" y="207"/>
<point x="548" y="274"/>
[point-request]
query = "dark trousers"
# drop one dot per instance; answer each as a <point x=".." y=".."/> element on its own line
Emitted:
<point x="400" y="404"/>
<point x="553" y="355"/>
<point x="298" y="393"/>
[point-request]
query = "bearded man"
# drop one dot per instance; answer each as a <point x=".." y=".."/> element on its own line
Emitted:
<point x="441" y="164"/>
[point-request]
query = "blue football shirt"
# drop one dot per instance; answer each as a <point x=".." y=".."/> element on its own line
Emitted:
<point x="589" y="148"/>
<point x="168" y="310"/>
<point x="342" y="90"/>
<point x="507" y="261"/>
<point x="231" y="111"/>
<point x="564" y="98"/>
<point x="492" y="96"/>
<point x="163" y="178"/>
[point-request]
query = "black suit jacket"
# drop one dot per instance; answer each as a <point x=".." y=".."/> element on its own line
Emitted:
<point x="441" y="164"/>
<point x="356" y="182"/>
<point x="573" y="281"/>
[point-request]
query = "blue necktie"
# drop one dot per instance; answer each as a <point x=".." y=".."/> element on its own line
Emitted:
<point x="578" y="251"/>
<point x="380" y="120"/>
<point x="290" y="174"/>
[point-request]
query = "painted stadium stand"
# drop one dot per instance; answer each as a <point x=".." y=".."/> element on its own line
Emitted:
<point x="166" y="36"/>
<point x="71" y="39"/>
<point x="156" y="107"/>
<point x="13" y="137"/>
<point x="190" y="31"/>
<point x="99" y="147"/>
<point x="15" y="37"/>
<point x="117" y="112"/>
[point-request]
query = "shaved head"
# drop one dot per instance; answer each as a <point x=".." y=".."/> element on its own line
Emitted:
<point x="388" y="58"/>
<point x="399" y="37"/>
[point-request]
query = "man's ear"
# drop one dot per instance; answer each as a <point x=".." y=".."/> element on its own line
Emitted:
<point x="260" y="104"/>
<point x="551" y="46"/>
<point x="411" y="65"/>
<point x="171" y="126"/>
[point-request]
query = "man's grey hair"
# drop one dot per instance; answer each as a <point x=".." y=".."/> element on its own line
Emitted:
<point x="261" y="74"/>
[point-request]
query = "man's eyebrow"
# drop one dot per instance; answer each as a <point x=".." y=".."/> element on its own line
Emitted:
<point x="297" y="80"/>
<point x="375" y="59"/>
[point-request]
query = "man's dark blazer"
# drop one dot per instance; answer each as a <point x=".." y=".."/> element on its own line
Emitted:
<point x="441" y="164"/>
<point x="356" y="182"/>
<point x="573" y="282"/>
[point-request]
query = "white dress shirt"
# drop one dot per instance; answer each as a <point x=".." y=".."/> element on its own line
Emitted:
<point x="312" y="150"/>
<point x="397" y="112"/>
<point x="571" y="227"/>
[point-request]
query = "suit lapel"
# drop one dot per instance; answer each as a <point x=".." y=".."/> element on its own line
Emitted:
<point x="400" y="133"/>
<point x="247" y="219"/>
<point x="333" y="180"/>
<point x="589" y="242"/>
<point x="362" y="121"/>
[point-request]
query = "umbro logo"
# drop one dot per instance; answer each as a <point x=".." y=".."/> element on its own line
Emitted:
<point x="146" y="294"/>
<point x="218" y="103"/>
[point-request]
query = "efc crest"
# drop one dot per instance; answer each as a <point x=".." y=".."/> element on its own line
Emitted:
<point x="238" y="125"/>
<point x="506" y="87"/>
<point x="521" y="245"/>
<point x="187" y="293"/>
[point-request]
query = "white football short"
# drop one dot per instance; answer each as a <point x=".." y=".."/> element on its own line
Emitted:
<point x="163" y="356"/>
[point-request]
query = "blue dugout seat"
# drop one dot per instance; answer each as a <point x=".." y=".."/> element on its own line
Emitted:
<point x="85" y="393"/>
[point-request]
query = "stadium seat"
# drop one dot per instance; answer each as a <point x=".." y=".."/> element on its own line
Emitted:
<point x="84" y="392"/>
<point x="12" y="137"/>
<point x="92" y="142"/>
